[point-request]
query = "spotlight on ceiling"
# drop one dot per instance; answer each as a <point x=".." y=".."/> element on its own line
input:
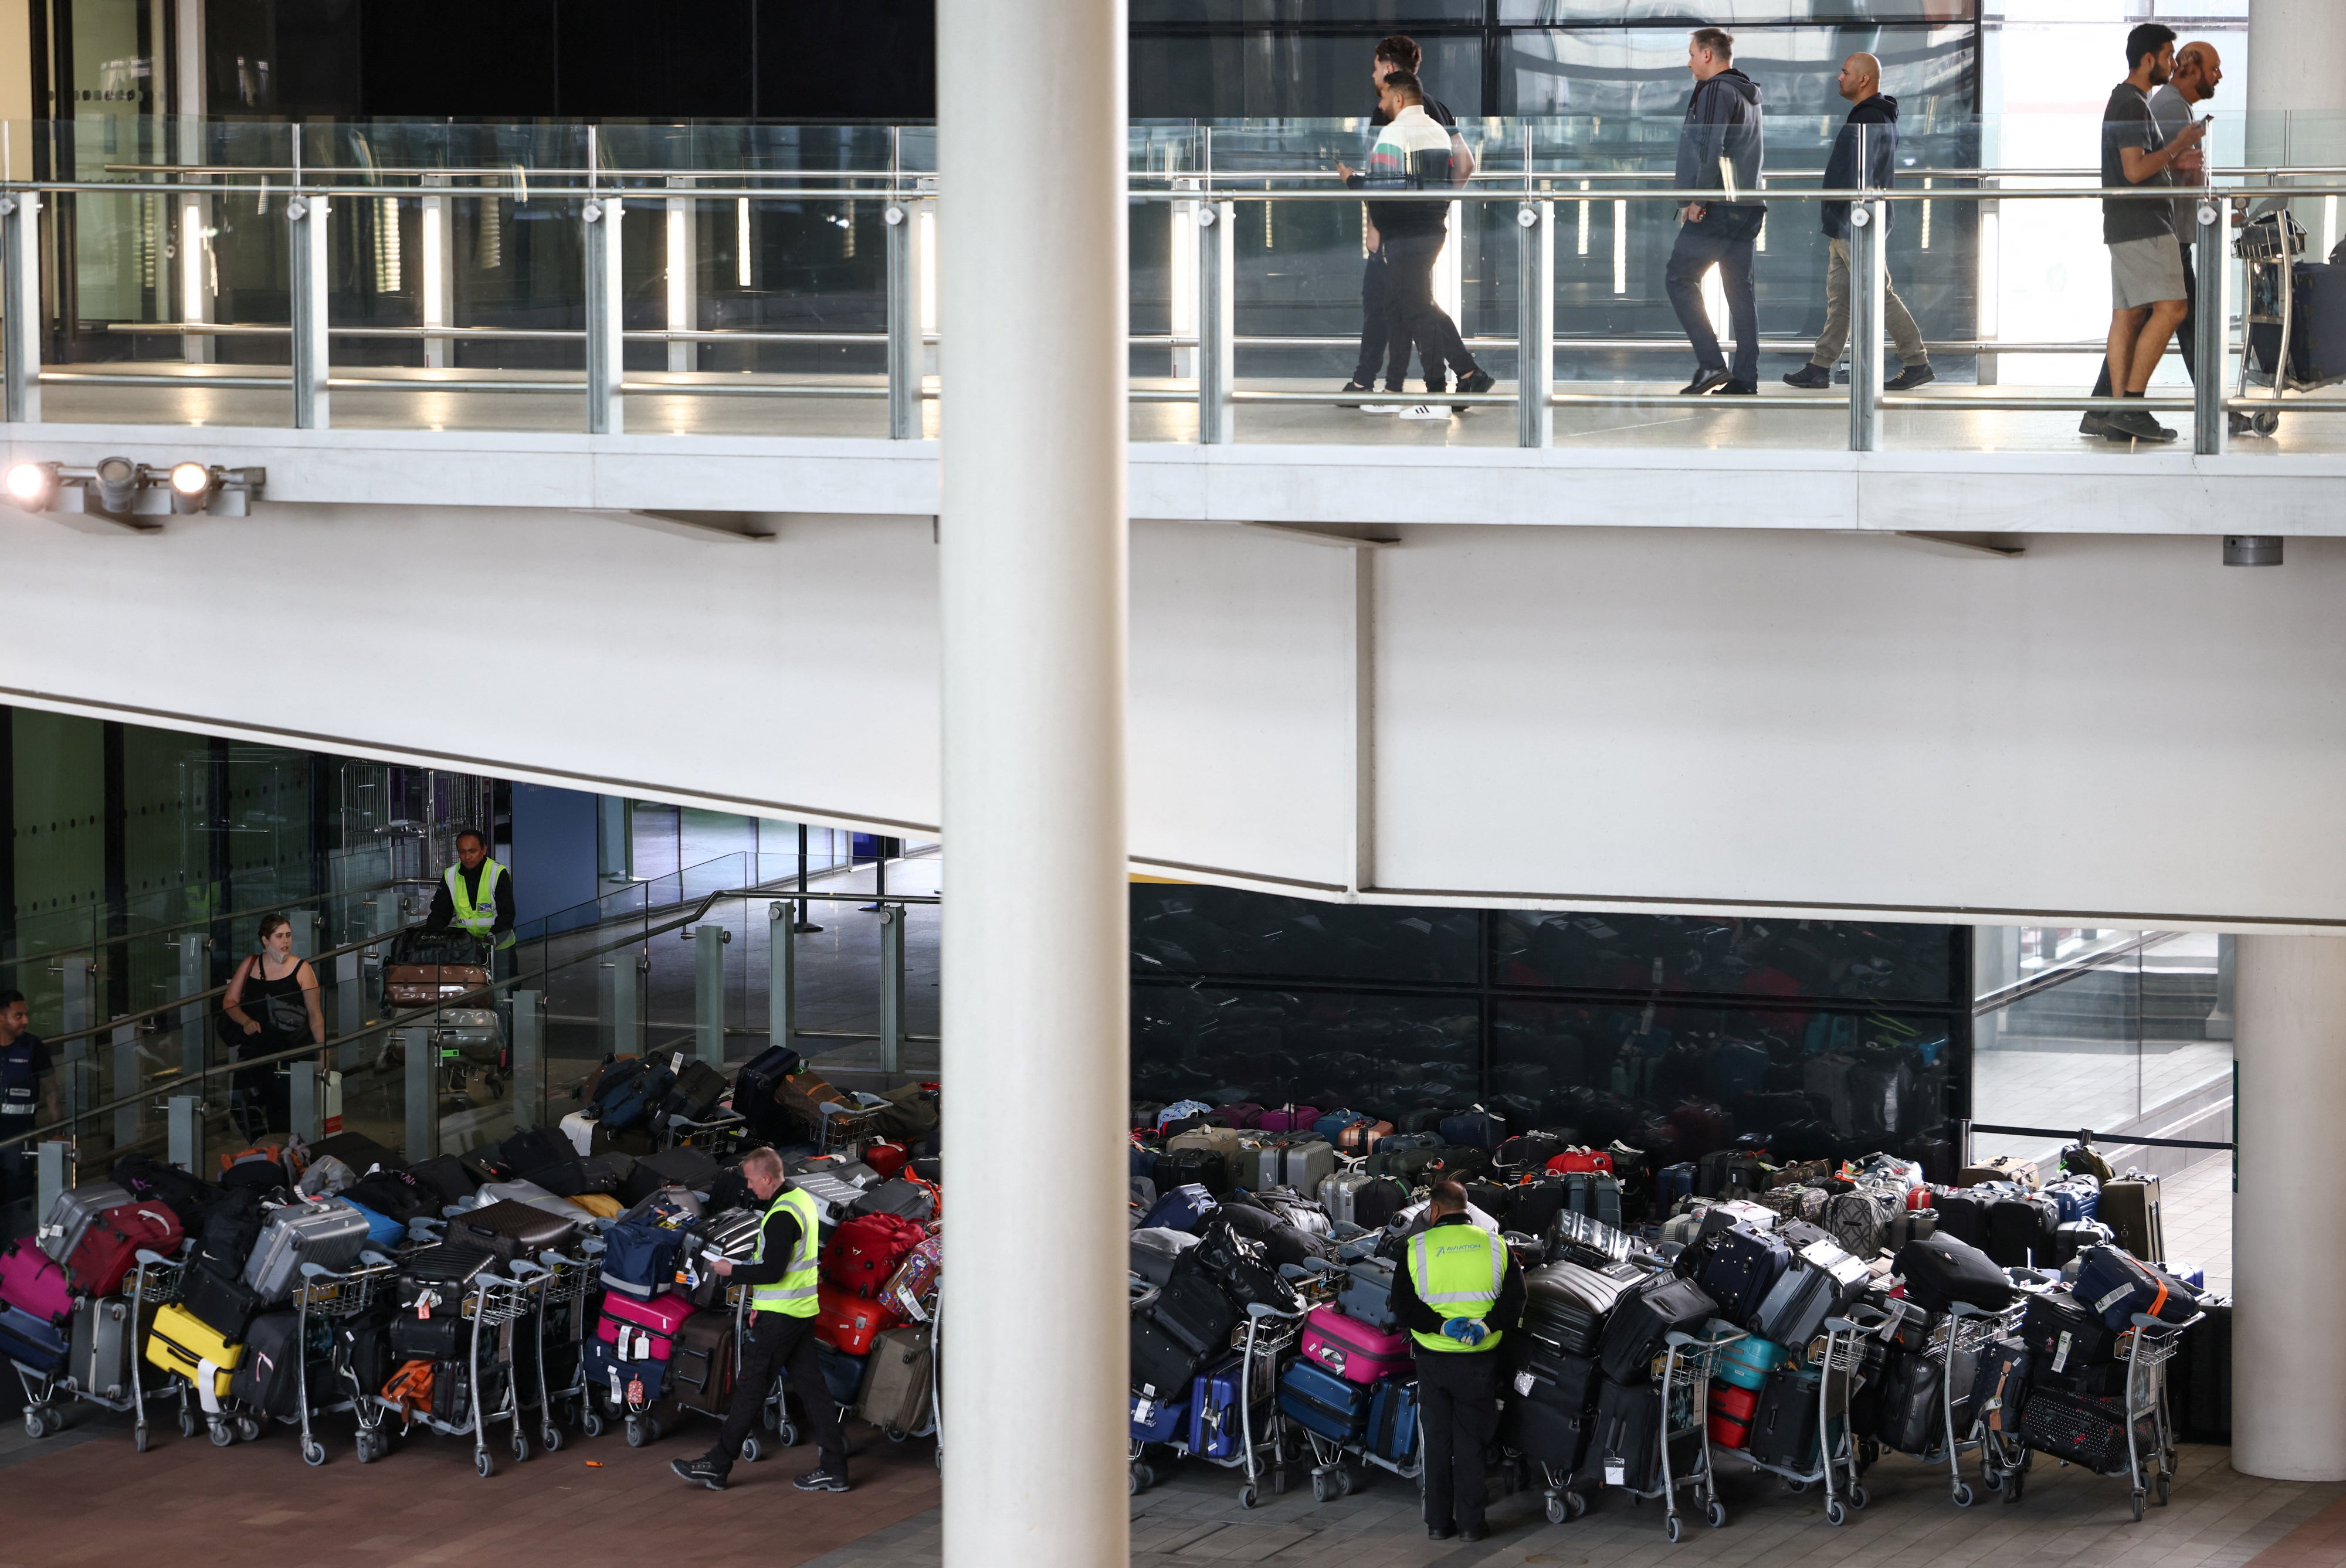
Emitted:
<point x="192" y="484"/>
<point x="32" y="486"/>
<point x="114" y="486"/>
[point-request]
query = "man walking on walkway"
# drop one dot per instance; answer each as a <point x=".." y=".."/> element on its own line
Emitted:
<point x="2148" y="293"/>
<point x="1864" y="157"/>
<point x="1379" y="341"/>
<point x="1719" y="148"/>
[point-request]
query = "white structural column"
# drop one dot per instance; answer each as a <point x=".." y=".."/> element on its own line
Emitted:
<point x="1032" y="528"/>
<point x="2289" y="1235"/>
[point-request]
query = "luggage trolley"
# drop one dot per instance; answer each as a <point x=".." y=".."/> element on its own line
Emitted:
<point x="1838" y="1360"/>
<point x="330" y="1296"/>
<point x="1966" y="1329"/>
<point x="2145" y="1349"/>
<point x="2268" y="246"/>
<point x="561" y="1295"/>
<point x="1685" y="1393"/>
<point x="1267" y="1334"/>
<point x="493" y="1302"/>
<point x="153" y="1281"/>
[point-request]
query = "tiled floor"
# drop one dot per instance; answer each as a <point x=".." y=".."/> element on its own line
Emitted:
<point x="2218" y="1519"/>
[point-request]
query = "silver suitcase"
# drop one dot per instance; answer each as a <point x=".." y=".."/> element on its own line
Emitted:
<point x="76" y="1209"/>
<point x="1307" y="1164"/>
<point x="101" y="1347"/>
<point x="326" y="1234"/>
<point x="1337" y="1191"/>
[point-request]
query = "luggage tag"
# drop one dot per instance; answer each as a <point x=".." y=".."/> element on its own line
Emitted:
<point x="2061" y="1352"/>
<point x="1616" y="1471"/>
<point x="1524" y="1384"/>
<point x="425" y="1301"/>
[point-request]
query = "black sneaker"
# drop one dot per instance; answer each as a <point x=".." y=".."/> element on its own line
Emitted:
<point x="1474" y="1532"/>
<point x="1355" y="385"/>
<point x="1705" y="381"/>
<point x="1477" y="381"/>
<point x="2135" y="425"/>
<point x="822" y="1478"/>
<point x="1811" y="377"/>
<point x="704" y="1471"/>
<point x="1910" y="378"/>
<point x="1737" y="389"/>
<point x="2096" y="422"/>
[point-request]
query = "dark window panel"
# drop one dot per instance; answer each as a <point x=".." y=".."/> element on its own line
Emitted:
<point x="874" y="60"/>
<point x="1389" y="14"/>
<point x="664" y="59"/>
<point x="477" y="59"/>
<point x="1242" y="76"/>
<point x="1838" y="960"/>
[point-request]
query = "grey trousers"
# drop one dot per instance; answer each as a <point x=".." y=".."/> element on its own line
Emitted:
<point x="1903" y="333"/>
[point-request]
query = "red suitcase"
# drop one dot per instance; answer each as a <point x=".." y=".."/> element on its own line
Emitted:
<point x="108" y="1249"/>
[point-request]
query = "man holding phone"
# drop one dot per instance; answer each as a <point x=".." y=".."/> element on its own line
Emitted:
<point x="2149" y="292"/>
<point x="2197" y="71"/>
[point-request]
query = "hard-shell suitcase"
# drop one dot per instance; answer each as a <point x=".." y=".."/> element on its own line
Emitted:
<point x="1643" y="1317"/>
<point x="1319" y="1402"/>
<point x="1746" y="1363"/>
<point x="269" y="1378"/>
<point x="1392" y="1421"/>
<point x="1193" y="1308"/>
<point x="180" y="1343"/>
<point x="700" y="1364"/>
<point x="512" y="1230"/>
<point x="685" y="1167"/>
<point x="1159" y="1421"/>
<point x="2000" y="1387"/>
<point x="1306" y="1162"/>
<point x="109" y="1245"/>
<point x="2075" y="1236"/>
<point x="1784" y="1421"/>
<point x="756" y="1086"/>
<point x="1355" y="1351"/>
<point x="897" y="1379"/>
<point x="1367" y="1294"/>
<point x="1568" y="1305"/>
<point x="30" y="1341"/>
<point x="2021" y="1231"/>
<point x="1625" y="1448"/>
<point x="1740" y="1268"/>
<point x="644" y="1330"/>
<point x="101" y="1343"/>
<point x="1731" y="1411"/>
<point x="225" y="1303"/>
<point x="1336" y="1194"/>
<point x="1216" y="1421"/>
<point x="850" y="1323"/>
<point x="75" y="1211"/>
<point x="1822" y="1280"/>
<point x="904" y="1199"/>
<point x="2129" y="1207"/>
<point x="694" y="1095"/>
<point x="1941" y="1270"/>
<point x="329" y="1235"/>
<point x="1154" y="1249"/>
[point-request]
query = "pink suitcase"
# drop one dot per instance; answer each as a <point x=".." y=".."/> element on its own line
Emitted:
<point x="1354" y="1351"/>
<point x="643" y="1330"/>
<point x="36" y="1283"/>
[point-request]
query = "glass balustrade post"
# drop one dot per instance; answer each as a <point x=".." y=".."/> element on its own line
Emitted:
<point x="1865" y="296"/>
<point x="77" y="980"/>
<point x="52" y="1174"/>
<point x="1534" y="322"/>
<point x="305" y="933"/>
<point x="622" y="999"/>
<point x="350" y="999"/>
<point x="605" y="346"/>
<point x="528" y="1058"/>
<point x="781" y="975"/>
<point x="437" y="295"/>
<point x="306" y="271"/>
<point x="892" y="987"/>
<point x="194" y="1035"/>
<point x="423" y="1083"/>
<point x="303" y="1090"/>
<point x="907" y="347"/>
<point x="20" y="306"/>
<point x="183" y="1146"/>
<point x="683" y="253"/>
<point x="709" y="940"/>
<point x="1217" y="322"/>
<point x="129" y="1077"/>
<point x="2210" y="325"/>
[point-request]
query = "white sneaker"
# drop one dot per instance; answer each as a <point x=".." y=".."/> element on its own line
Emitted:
<point x="1424" y="411"/>
<point x="1380" y="407"/>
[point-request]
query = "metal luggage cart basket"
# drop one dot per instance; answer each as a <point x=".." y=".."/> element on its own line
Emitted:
<point x="494" y="1303"/>
<point x="327" y="1295"/>
<point x="1684" y="1388"/>
<point x="153" y="1281"/>
<point x="1264" y="1343"/>
<point x="2269" y="246"/>
<point x="1838" y="1358"/>
<point x="1967" y="1330"/>
<point x="2145" y="1347"/>
<point x="565" y="1285"/>
<point x="722" y="1137"/>
<point x="849" y="1130"/>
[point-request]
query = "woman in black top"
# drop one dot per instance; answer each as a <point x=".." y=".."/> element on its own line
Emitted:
<point x="272" y="1005"/>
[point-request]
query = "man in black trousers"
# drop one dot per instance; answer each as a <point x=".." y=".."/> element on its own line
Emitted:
<point x="1380" y="340"/>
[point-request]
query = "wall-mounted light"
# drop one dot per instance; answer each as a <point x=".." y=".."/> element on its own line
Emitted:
<point x="137" y="494"/>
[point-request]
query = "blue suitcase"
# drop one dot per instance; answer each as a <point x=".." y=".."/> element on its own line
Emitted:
<point x="1321" y="1402"/>
<point x="1215" y="1423"/>
<point x="1747" y="1362"/>
<point x="1183" y="1208"/>
<point x="1159" y="1420"/>
<point x="639" y="1259"/>
<point x="383" y="1232"/>
<point x="2075" y="1199"/>
<point x="1672" y="1183"/>
<point x="1392" y="1421"/>
<point x="635" y="1385"/>
<point x="31" y="1343"/>
<point x="2117" y="1286"/>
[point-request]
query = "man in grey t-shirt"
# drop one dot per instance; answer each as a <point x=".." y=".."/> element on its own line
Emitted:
<point x="2148" y="293"/>
<point x="2197" y="71"/>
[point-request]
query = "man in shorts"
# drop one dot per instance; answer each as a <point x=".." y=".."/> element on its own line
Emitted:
<point x="2149" y="294"/>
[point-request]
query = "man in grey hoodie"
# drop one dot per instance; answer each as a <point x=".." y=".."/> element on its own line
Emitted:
<point x="1719" y="148"/>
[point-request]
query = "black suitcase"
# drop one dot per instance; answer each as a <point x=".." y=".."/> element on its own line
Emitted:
<point x="448" y="1178"/>
<point x="604" y="1173"/>
<point x="1567" y="1306"/>
<point x="685" y="1167"/>
<point x="1625" y="1448"/>
<point x="911" y="1200"/>
<point x="2065" y="1335"/>
<point x="2316" y="327"/>
<point x="269" y="1375"/>
<point x="1542" y="1376"/>
<point x="1963" y="1214"/>
<point x="1241" y="1268"/>
<point x="2199" y="1382"/>
<point x="1556" y="1436"/>
<point x="1192" y="1307"/>
<point x="694" y="1095"/>
<point x="1784" y="1424"/>
<point x="534" y="1149"/>
<point x="2022" y="1232"/>
<point x="1643" y="1318"/>
<point x="754" y="1087"/>
<point x="1162" y="1366"/>
<point x="1739" y="1270"/>
<point x="401" y="1195"/>
<point x="2000" y="1388"/>
<point x="1941" y="1270"/>
<point x="356" y="1150"/>
<point x="223" y="1304"/>
<point x="511" y="1230"/>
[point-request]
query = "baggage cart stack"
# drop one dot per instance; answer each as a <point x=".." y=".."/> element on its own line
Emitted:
<point x="2279" y="287"/>
<point x="1826" y="1455"/>
<point x="329" y="1298"/>
<point x="563" y="1319"/>
<point x="1683" y="1394"/>
<point x="101" y="1364"/>
<point x="485" y="1391"/>
<point x="1237" y="1414"/>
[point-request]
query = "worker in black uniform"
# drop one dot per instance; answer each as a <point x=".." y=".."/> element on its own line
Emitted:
<point x="1457" y="1293"/>
<point x="27" y="1084"/>
<point x="783" y="1276"/>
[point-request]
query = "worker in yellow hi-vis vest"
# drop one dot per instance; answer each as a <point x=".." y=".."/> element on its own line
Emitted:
<point x="476" y="895"/>
<point x="1457" y="1292"/>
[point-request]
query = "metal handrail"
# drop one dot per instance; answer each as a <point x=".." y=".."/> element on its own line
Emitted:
<point x="2069" y="970"/>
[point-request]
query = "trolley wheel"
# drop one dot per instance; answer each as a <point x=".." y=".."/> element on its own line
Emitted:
<point x="550" y="1437"/>
<point x="2011" y="1492"/>
<point x="636" y="1436"/>
<point x="1796" y="1487"/>
<point x="590" y="1421"/>
<point x="1318" y="1486"/>
<point x="1557" y="1511"/>
<point x="1670" y="1527"/>
<point x="2164" y="1488"/>
<point x="1248" y="1497"/>
<point x="313" y="1452"/>
<point x="1135" y="1479"/>
<point x="1835" y="1514"/>
<point x="2265" y="423"/>
<point x="787" y="1434"/>
<point x="37" y="1425"/>
<point x="652" y="1429"/>
<point x="1963" y="1495"/>
<point x="485" y="1464"/>
<point x="2137" y="1505"/>
<point x="248" y="1429"/>
<point x="187" y="1422"/>
<point x="1718" y="1514"/>
<point x="1994" y="1479"/>
<point x="1857" y="1498"/>
<point x="139" y="1440"/>
<point x="222" y="1435"/>
<point x="366" y="1447"/>
<point x="520" y="1446"/>
<point x="894" y="1434"/>
<point x="1577" y="1504"/>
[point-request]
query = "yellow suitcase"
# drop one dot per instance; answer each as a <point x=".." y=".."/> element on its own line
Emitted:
<point x="601" y="1204"/>
<point x="181" y="1342"/>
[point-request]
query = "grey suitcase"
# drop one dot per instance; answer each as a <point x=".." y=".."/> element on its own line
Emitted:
<point x="1308" y="1162"/>
<point x="2129" y="1207"/>
<point x="833" y="1195"/>
<point x="1822" y="1282"/>
<point x="329" y="1235"/>
<point x="896" y="1381"/>
<point x="77" y="1208"/>
<point x="1336" y="1192"/>
<point x="100" y="1344"/>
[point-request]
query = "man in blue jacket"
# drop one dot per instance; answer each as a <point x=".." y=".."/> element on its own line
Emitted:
<point x="1864" y="157"/>
<point x="1719" y="148"/>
